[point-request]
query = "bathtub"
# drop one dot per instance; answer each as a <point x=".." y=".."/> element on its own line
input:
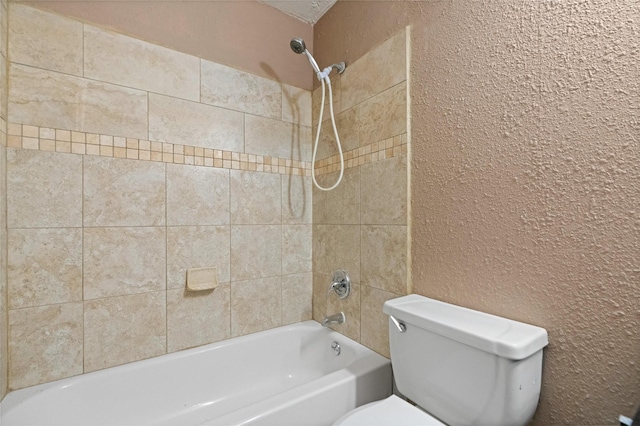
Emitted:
<point x="289" y="375"/>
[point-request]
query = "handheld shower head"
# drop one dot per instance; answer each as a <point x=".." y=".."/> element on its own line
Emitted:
<point x="297" y="45"/>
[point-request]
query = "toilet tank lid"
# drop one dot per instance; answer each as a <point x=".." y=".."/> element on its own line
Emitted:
<point x="501" y="336"/>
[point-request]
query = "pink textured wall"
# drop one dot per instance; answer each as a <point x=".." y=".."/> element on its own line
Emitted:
<point x="244" y="34"/>
<point x="526" y="176"/>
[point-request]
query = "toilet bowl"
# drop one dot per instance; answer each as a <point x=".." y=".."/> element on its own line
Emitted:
<point x="460" y="366"/>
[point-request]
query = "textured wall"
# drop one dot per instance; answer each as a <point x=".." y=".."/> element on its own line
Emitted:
<point x="525" y="171"/>
<point x="243" y="34"/>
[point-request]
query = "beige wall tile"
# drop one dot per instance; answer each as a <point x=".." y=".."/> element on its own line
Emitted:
<point x="197" y="195"/>
<point x="43" y="189"/>
<point x="321" y="283"/>
<point x="351" y="308"/>
<point x="190" y="123"/>
<point x="296" y="248"/>
<point x="297" y="207"/>
<point x="268" y="137"/>
<point x="340" y="205"/>
<point x="123" y="329"/>
<point x="337" y="247"/>
<point x="126" y="61"/>
<point x="45" y="266"/>
<point x="45" y="344"/>
<point x="255" y="198"/>
<point x="60" y="101"/>
<point x="119" y="192"/>
<point x="348" y="131"/>
<point x="316" y="101"/>
<point x="255" y="305"/>
<point x="374" y="331"/>
<point x="389" y="60"/>
<point x="384" y="192"/>
<point x="119" y="261"/>
<point x="4" y="27"/>
<point x="383" y="116"/>
<point x="230" y="88"/>
<point x="296" y="105"/>
<point x="45" y="40"/>
<point x="384" y="257"/>
<point x="197" y="247"/>
<point x="255" y="251"/>
<point x="197" y="318"/>
<point x="297" y="293"/>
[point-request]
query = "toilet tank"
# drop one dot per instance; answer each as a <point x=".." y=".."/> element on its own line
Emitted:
<point x="462" y="366"/>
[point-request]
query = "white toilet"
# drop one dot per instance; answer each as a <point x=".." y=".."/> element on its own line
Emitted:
<point x="460" y="366"/>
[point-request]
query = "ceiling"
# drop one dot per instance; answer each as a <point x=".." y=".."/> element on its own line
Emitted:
<point x="309" y="11"/>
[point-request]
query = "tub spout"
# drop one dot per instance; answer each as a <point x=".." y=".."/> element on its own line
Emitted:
<point x="338" y="318"/>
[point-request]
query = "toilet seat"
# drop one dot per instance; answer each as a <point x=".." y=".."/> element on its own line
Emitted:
<point x="392" y="411"/>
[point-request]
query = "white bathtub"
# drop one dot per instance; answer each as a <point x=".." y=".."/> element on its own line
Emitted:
<point x="285" y="376"/>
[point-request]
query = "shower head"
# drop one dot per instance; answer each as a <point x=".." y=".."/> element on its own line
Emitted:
<point x="297" y="45"/>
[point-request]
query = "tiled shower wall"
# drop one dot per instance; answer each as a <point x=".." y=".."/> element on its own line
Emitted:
<point x="3" y="199"/>
<point x="362" y="225"/>
<point x="128" y="163"/>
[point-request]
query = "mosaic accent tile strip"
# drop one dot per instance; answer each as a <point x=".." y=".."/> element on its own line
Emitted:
<point x="57" y="140"/>
<point x="68" y="141"/>
<point x="392" y="147"/>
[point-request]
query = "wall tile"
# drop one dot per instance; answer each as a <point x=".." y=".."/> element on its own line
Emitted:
<point x="119" y="261"/>
<point x="197" y="318"/>
<point x="255" y="198"/>
<point x="43" y="189"/>
<point x="383" y="116"/>
<point x="230" y="88"/>
<point x="255" y="305"/>
<point x="45" y="266"/>
<point x="321" y="283"/>
<point x="336" y="87"/>
<point x="49" y="99"/>
<point x="4" y="29"/>
<point x="297" y="207"/>
<point x="374" y="331"/>
<point x="351" y="308"/>
<point x="268" y="137"/>
<point x="190" y="123"/>
<point x="197" y="195"/>
<point x="120" y="192"/>
<point x="45" y="40"/>
<point x="197" y="247"/>
<point x="45" y="344"/>
<point x="297" y="295"/>
<point x="390" y="62"/>
<point x="255" y="251"/>
<point x="296" y="105"/>
<point x="348" y="132"/>
<point x="340" y="205"/>
<point x="384" y="192"/>
<point x="337" y="247"/>
<point x="123" y="60"/>
<point x="384" y="257"/>
<point x="296" y="248"/>
<point x="123" y="329"/>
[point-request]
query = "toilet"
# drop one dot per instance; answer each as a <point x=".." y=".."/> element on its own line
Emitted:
<point x="459" y="366"/>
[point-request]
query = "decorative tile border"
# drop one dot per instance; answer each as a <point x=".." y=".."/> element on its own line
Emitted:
<point x="68" y="141"/>
<point x="377" y="151"/>
<point x="57" y="140"/>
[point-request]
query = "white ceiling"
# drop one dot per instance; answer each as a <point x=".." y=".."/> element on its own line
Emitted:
<point x="309" y="11"/>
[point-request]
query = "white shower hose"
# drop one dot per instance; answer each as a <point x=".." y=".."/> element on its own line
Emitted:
<point x="324" y="77"/>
